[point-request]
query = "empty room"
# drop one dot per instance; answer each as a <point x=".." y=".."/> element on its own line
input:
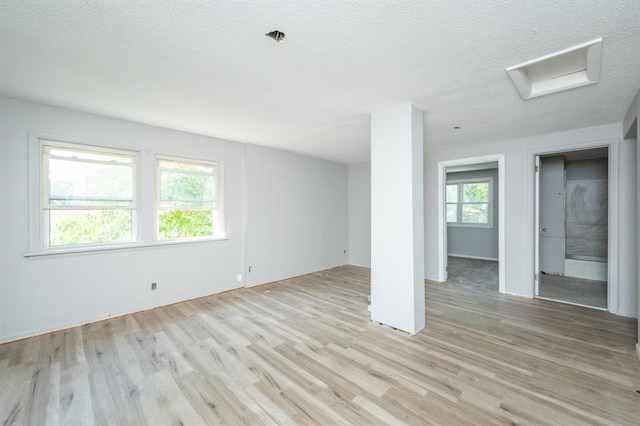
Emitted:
<point x="305" y="212"/>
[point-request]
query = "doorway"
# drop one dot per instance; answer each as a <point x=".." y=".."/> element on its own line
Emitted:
<point x="572" y="227"/>
<point x="472" y="220"/>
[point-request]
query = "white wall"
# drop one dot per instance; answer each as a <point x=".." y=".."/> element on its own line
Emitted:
<point x="631" y="128"/>
<point x="296" y="214"/>
<point x="39" y="294"/>
<point x="360" y="214"/>
<point x="518" y="198"/>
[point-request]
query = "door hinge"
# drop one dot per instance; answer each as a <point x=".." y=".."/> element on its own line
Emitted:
<point x="535" y="277"/>
<point x="537" y="168"/>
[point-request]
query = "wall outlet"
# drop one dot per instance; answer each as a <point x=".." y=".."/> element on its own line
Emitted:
<point x="239" y="278"/>
<point x="154" y="286"/>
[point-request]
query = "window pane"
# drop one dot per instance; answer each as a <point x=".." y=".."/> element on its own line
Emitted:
<point x="76" y="183"/>
<point x="68" y="227"/>
<point x="88" y="155"/>
<point x="475" y="213"/>
<point x="185" y="223"/>
<point x="452" y="193"/>
<point x="184" y="189"/>
<point x="186" y="166"/>
<point x="452" y="212"/>
<point x="475" y="192"/>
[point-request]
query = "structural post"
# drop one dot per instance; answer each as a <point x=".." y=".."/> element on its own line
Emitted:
<point x="397" y="218"/>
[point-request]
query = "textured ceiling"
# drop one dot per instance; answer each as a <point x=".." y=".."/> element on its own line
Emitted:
<point x="206" y="66"/>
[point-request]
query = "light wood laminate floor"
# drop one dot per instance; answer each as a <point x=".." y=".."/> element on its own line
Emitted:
<point x="304" y="351"/>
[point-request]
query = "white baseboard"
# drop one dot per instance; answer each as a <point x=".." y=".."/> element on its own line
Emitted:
<point x="464" y="256"/>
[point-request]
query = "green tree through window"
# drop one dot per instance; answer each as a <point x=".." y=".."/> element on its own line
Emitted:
<point x="187" y="199"/>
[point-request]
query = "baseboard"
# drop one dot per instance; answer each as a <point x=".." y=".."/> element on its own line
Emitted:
<point x="103" y="317"/>
<point x="358" y="265"/>
<point x="464" y="256"/>
<point x="287" y="277"/>
<point x="627" y="314"/>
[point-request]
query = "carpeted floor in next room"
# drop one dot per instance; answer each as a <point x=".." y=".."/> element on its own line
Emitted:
<point x="475" y="273"/>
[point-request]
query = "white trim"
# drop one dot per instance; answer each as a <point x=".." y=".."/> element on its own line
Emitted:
<point x="612" y="145"/>
<point x="216" y="166"/>
<point x="442" y="215"/>
<point x="638" y="350"/>
<point x="39" y="209"/>
<point x="564" y="302"/>
<point x="119" y="247"/>
<point x="145" y="221"/>
<point x="465" y="256"/>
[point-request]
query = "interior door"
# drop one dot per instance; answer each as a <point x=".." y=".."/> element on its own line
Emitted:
<point x="445" y="248"/>
<point x="536" y="233"/>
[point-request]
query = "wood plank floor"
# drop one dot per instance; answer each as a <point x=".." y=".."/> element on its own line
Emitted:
<point x="303" y="351"/>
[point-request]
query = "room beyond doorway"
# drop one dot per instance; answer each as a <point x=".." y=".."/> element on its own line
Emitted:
<point x="572" y="231"/>
<point x="470" y="210"/>
<point x="479" y="274"/>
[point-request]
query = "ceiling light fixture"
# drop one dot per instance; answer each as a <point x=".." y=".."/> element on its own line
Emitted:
<point x="278" y="36"/>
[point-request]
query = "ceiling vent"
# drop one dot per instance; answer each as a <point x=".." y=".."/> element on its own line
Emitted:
<point x="278" y="36"/>
<point x="569" y="68"/>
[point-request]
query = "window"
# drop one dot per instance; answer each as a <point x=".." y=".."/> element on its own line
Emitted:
<point x="469" y="202"/>
<point x="187" y="204"/>
<point x="88" y="195"/>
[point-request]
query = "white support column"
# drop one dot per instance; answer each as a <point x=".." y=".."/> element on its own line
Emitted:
<point x="397" y="218"/>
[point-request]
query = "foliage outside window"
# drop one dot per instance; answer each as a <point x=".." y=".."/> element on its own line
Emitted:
<point x="469" y="203"/>
<point x="89" y="195"/>
<point x="187" y="199"/>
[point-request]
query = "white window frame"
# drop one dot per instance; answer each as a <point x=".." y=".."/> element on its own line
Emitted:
<point x="460" y="203"/>
<point x="217" y="199"/>
<point x="44" y="208"/>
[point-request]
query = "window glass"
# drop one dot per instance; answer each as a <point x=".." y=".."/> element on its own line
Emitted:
<point x="475" y="192"/>
<point x="452" y="212"/>
<point x="475" y="213"/>
<point x="452" y="193"/>
<point x="187" y="205"/>
<point x="469" y="202"/>
<point x="89" y="194"/>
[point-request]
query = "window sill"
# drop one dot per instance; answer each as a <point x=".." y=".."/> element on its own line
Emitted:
<point x="470" y="225"/>
<point x="121" y="247"/>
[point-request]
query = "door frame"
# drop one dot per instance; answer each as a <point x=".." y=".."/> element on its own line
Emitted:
<point x="442" y="215"/>
<point x="612" y="249"/>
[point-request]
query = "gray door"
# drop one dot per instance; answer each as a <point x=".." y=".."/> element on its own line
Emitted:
<point x="552" y="223"/>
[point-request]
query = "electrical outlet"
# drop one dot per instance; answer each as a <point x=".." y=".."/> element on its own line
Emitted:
<point x="154" y="286"/>
<point x="239" y="278"/>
